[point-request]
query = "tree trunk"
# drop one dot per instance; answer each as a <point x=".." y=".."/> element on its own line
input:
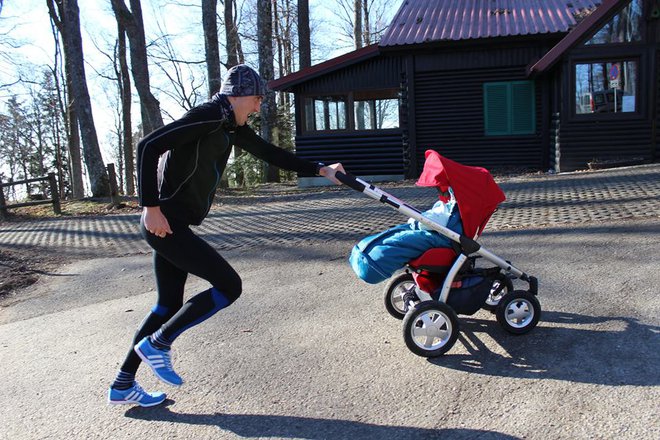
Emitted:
<point x="69" y="19"/>
<point x="304" y="41"/>
<point x="126" y="116"/>
<point x="357" y="24"/>
<point x="131" y="20"/>
<point x="366" y="34"/>
<point x="211" y="48"/>
<point x="231" y="35"/>
<point x="78" y="188"/>
<point x="268" y="108"/>
<point x="71" y="118"/>
<point x="234" y="56"/>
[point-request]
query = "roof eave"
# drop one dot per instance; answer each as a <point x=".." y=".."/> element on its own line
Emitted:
<point x="472" y="41"/>
<point x="286" y="82"/>
<point x="596" y="18"/>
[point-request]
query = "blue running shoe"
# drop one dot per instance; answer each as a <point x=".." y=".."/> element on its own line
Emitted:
<point x="136" y="395"/>
<point x="159" y="361"/>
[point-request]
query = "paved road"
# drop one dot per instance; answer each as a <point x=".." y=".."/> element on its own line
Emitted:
<point x="308" y="351"/>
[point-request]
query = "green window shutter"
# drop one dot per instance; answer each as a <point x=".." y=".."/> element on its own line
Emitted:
<point x="509" y="108"/>
<point x="496" y="109"/>
<point x="523" y="112"/>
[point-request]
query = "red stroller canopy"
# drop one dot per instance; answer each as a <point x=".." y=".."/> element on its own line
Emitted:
<point x="476" y="192"/>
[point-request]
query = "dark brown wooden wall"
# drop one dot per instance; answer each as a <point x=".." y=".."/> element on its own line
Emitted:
<point x="362" y="153"/>
<point x="448" y="104"/>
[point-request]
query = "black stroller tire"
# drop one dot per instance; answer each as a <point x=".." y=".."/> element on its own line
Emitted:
<point x="393" y="302"/>
<point x="430" y="329"/>
<point x="518" y="312"/>
<point x="492" y="301"/>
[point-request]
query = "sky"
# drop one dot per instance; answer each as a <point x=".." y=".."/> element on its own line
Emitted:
<point x="28" y="24"/>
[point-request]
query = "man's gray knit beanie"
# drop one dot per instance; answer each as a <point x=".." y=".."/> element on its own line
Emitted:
<point x="242" y="80"/>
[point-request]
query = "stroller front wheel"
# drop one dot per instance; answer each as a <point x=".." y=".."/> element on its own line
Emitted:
<point x="430" y="329"/>
<point x="518" y="312"/>
<point x="395" y="291"/>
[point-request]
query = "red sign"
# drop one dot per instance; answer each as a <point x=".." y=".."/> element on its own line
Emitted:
<point x="614" y="72"/>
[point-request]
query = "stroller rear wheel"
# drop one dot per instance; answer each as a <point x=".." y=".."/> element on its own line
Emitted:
<point x="396" y="289"/>
<point x="430" y="329"/>
<point x="518" y="312"/>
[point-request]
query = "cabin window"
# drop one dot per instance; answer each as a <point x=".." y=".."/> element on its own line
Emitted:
<point x="371" y="110"/>
<point x="325" y="113"/>
<point x="509" y="108"/>
<point x="376" y="110"/>
<point x="624" y="27"/>
<point x="606" y="87"/>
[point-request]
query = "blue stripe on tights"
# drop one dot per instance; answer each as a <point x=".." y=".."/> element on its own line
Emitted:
<point x="160" y="310"/>
<point x="220" y="301"/>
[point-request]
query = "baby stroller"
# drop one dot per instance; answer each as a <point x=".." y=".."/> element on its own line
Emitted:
<point x="445" y="282"/>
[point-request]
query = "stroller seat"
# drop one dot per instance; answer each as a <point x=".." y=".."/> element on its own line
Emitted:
<point x="430" y="268"/>
<point x="436" y="260"/>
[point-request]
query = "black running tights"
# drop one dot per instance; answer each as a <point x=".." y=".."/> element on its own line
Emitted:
<point x="175" y="256"/>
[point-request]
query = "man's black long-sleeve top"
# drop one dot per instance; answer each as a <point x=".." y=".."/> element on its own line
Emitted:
<point x="196" y="149"/>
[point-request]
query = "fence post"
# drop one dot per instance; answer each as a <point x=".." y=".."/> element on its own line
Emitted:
<point x="3" y="204"/>
<point x="54" y="194"/>
<point x="114" y="192"/>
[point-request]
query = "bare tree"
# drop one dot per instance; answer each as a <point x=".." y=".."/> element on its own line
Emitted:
<point x="122" y="132"/>
<point x="234" y="56"/>
<point x="211" y="47"/>
<point x="357" y="23"/>
<point x="66" y="15"/>
<point x="362" y="22"/>
<point x="125" y="95"/>
<point x="70" y="117"/>
<point x="131" y="20"/>
<point x="184" y="86"/>
<point x="268" y="108"/>
<point x="304" y="39"/>
<point x="234" y="48"/>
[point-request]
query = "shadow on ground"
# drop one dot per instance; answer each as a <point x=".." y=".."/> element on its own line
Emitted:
<point x="565" y="346"/>
<point x="264" y="426"/>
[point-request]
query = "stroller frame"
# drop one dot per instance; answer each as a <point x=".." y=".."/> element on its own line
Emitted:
<point x="465" y="247"/>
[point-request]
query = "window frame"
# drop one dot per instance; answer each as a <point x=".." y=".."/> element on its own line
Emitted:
<point x="367" y="96"/>
<point x="609" y="52"/>
<point x="314" y="98"/>
<point x="639" y="100"/>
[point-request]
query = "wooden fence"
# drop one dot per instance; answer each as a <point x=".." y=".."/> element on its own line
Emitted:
<point x="55" y="200"/>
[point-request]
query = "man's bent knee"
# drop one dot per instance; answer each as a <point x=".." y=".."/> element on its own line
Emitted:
<point x="230" y="290"/>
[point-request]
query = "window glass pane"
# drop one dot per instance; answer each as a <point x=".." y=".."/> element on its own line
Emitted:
<point x="387" y="113"/>
<point x="625" y="27"/>
<point x="337" y="115"/>
<point x="324" y="113"/>
<point x="606" y="87"/>
<point x="319" y="115"/>
<point x="363" y="115"/>
<point x="308" y="109"/>
<point x="376" y="114"/>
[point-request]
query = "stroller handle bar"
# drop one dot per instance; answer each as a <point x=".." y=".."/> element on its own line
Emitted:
<point x="350" y="180"/>
<point x="467" y="245"/>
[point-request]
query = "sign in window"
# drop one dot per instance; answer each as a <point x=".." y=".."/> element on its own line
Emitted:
<point x="606" y="87"/>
